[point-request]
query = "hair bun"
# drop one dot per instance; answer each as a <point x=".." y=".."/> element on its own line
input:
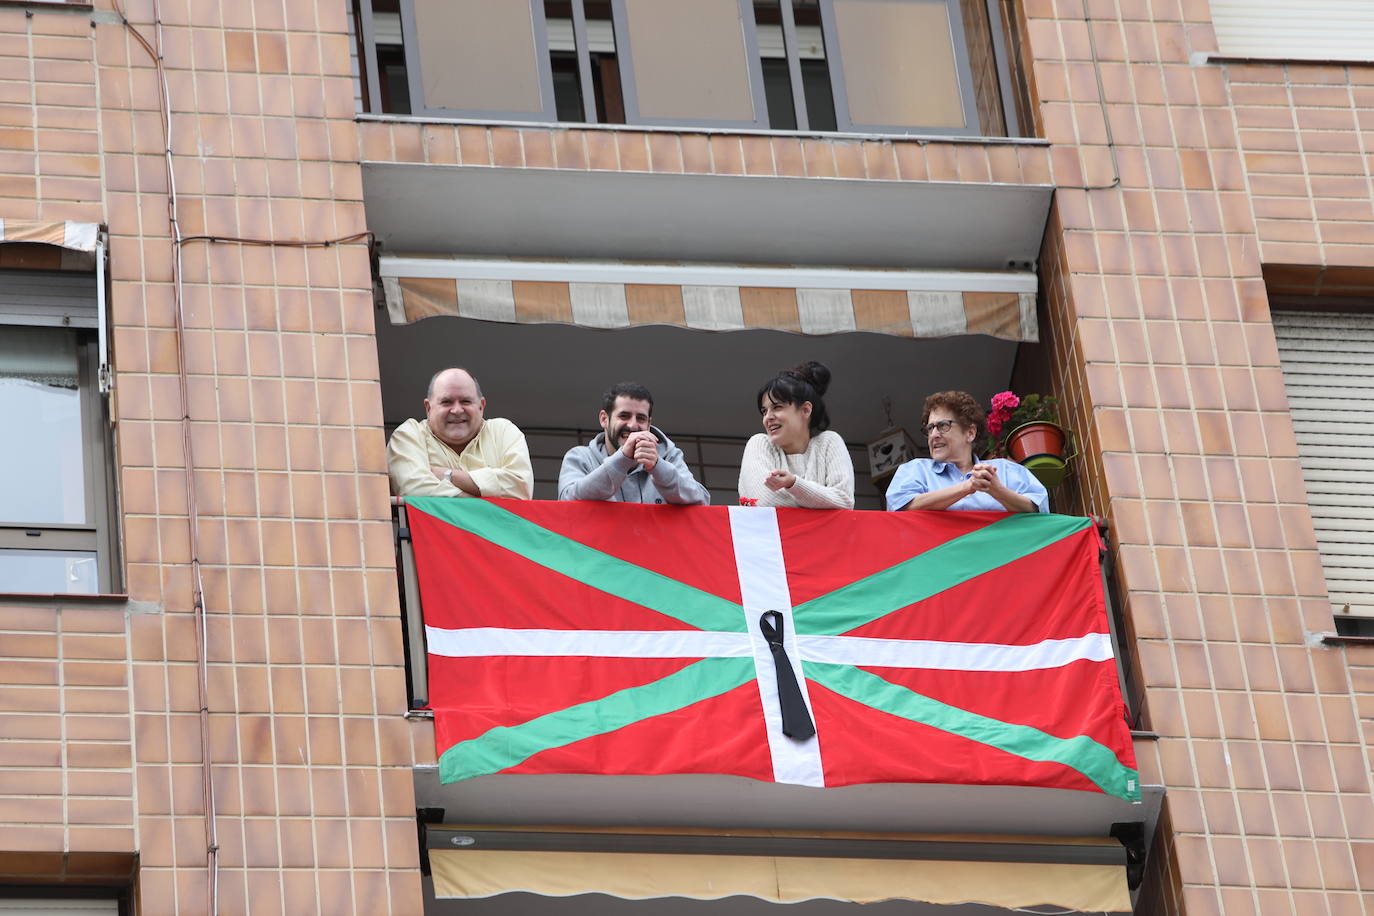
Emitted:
<point x="814" y="374"/>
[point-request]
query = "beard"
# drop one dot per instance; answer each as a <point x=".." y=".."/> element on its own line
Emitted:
<point x="616" y="436"/>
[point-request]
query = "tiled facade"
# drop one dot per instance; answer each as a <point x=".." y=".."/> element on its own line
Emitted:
<point x="1155" y="317"/>
<point x="1160" y="331"/>
<point x="101" y="728"/>
<point x="630" y="150"/>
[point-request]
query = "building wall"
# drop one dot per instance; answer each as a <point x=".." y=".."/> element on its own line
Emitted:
<point x="306" y="682"/>
<point x="1155" y="316"/>
<point x="1163" y="348"/>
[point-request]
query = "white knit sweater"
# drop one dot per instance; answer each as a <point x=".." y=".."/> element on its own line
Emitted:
<point x="825" y="473"/>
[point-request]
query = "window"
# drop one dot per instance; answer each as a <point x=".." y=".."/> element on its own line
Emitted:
<point x="481" y="56"/>
<point x="1330" y="384"/>
<point x="900" y="64"/>
<point x="55" y="523"/>
<point x="890" y="66"/>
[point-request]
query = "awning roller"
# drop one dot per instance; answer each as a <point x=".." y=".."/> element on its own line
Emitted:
<point x="714" y="297"/>
<point x="637" y="876"/>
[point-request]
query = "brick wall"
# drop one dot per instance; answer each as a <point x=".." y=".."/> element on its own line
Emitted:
<point x="311" y="756"/>
<point x="1162" y="346"/>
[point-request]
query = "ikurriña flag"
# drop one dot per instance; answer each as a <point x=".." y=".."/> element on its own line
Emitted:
<point x="613" y="638"/>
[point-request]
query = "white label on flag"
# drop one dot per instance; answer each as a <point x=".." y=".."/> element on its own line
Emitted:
<point x="763" y="587"/>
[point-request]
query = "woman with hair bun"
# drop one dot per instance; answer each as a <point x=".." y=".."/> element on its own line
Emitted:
<point x="953" y="477"/>
<point x="797" y="460"/>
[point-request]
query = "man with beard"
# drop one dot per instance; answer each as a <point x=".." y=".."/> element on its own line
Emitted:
<point x="455" y="450"/>
<point x="630" y="460"/>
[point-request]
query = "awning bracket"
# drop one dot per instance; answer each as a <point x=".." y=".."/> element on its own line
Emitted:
<point x="1131" y="834"/>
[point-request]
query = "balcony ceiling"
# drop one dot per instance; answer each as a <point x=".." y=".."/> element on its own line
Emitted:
<point x="703" y="381"/>
<point x="483" y="210"/>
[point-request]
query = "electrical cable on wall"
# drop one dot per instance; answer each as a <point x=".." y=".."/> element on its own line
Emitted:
<point x="1106" y="120"/>
<point x="154" y="51"/>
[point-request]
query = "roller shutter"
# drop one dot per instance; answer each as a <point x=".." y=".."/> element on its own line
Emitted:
<point x="1328" y="369"/>
<point x="1328" y="30"/>
<point x="35" y="906"/>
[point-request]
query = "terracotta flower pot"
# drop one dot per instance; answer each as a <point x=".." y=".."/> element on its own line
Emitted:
<point x="1031" y="439"/>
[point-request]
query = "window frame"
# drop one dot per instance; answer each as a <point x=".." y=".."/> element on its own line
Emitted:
<point x="963" y="74"/>
<point x="419" y="105"/>
<point x="99" y="534"/>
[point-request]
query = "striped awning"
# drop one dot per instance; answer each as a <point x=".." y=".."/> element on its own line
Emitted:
<point x="39" y="245"/>
<point x="713" y="297"/>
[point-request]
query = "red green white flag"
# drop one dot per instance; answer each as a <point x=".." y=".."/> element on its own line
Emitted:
<point x="612" y="638"/>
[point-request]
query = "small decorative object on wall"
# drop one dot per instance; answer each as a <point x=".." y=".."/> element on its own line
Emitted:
<point x="889" y="451"/>
<point x="1026" y="430"/>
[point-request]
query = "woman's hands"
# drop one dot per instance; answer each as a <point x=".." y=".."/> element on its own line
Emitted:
<point x="779" y="480"/>
<point x="984" y="479"/>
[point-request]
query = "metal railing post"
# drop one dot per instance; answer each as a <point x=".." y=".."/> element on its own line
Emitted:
<point x="412" y="617"/>
<point x="1115" y="624"/>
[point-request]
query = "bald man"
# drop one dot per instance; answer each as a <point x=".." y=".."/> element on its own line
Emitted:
<point x="455" y="450"/>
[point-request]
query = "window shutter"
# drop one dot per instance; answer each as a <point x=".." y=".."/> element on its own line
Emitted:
<point x="1330" y="30"/>
<point x="1328" y="370"/>
<point x="48" y="298"/>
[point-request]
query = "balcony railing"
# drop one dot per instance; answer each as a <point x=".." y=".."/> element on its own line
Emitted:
<point x="412" y="617"/>
<point x="926" y="67"/>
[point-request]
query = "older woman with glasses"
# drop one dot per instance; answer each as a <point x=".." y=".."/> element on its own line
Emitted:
<point x="955" y="478"/>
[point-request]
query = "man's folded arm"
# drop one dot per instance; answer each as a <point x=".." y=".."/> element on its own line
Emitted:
<point x="407" y="462"/>
<point x="514" y="476"/>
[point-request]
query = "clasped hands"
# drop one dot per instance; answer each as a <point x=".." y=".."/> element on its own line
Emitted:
<point x="983" y="479"/>
<point x="641" y="446"/>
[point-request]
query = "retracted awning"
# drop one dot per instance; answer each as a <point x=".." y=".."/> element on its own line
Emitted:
<point x="64" y="233"/>
<point x="1072" y="873"/>
<point x="51" y="245"/>
<point x="713" y="297"/>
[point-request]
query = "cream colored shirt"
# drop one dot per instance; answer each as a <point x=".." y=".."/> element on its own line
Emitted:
<point x="497" y="458"/>
<point x="825" y="473"/>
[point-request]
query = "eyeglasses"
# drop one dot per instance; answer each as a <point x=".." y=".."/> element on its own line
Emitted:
<point x="943" y="426"/>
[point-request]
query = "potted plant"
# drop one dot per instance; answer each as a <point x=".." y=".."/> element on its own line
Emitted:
<point x="1026" y="430"/>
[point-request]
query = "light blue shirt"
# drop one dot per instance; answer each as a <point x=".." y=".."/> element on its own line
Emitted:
<point x="922" y="475"/>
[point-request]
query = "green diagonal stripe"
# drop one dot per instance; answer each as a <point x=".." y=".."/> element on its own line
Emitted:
<point x="585" y="564"/>
<point x="1095" y="761"/>
<point x="930" y="573"/>
<point x="506" y="746"/>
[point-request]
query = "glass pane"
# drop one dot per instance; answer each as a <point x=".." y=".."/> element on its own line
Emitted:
<point x="478" y="55"/>
<point x="43" y="572"/>
<point x="820" y="104"/>
<point x="393" y="80"/>
<point x="899" y="63"/>
<point x="39" y="401"/>
<point x="610" y="101"/>
<point x="777" y="89"/>
<point x="689" y="60"/>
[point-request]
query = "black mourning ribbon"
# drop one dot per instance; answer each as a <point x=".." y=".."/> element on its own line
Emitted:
<point x="796" y="718"/>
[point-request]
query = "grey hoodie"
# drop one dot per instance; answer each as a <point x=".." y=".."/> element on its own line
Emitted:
<point x="589" y="473"/>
